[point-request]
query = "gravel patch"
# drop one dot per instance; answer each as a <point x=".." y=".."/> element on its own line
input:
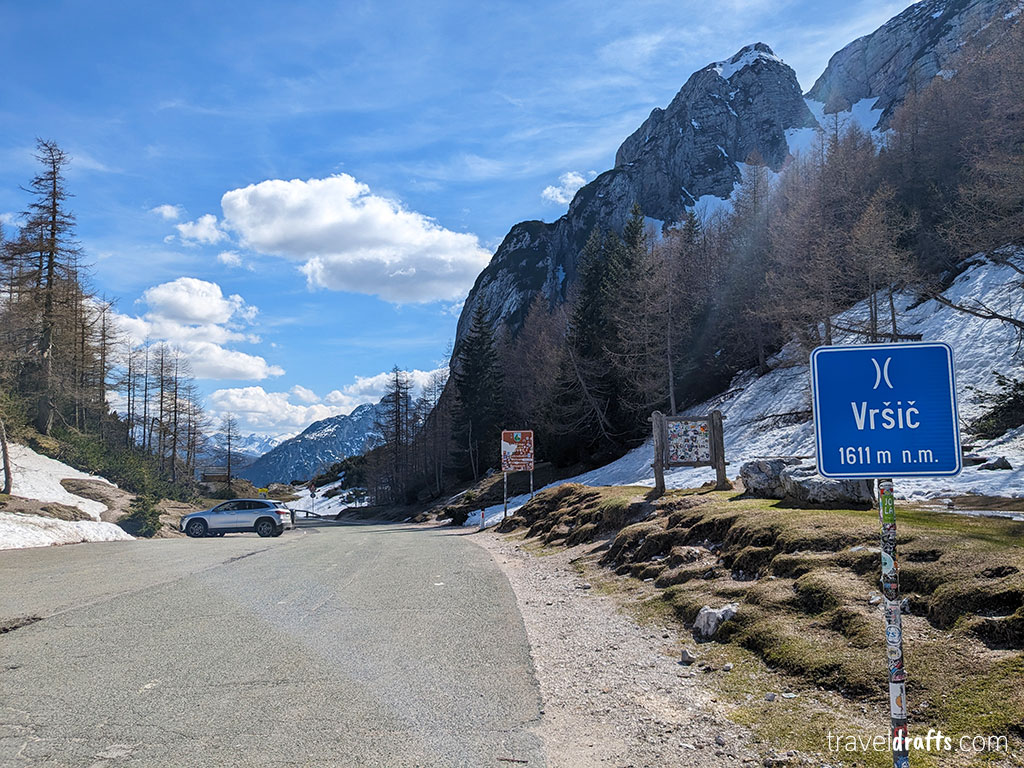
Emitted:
<point x="614" y="692"/>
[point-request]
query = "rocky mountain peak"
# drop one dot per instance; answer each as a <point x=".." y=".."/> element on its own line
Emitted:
<point x="725" y="113"/>
<point x="905" y="53"/>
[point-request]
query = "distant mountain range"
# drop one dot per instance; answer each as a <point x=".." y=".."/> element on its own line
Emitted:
<point x="245" y="450"/>
<point x="318" y="446"/>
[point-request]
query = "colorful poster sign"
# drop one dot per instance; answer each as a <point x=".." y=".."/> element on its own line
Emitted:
<point x="517" y="451"/>
<point x="689" y="442"/>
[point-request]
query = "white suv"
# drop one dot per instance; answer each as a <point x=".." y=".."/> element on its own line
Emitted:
<point x="265" y="517"/>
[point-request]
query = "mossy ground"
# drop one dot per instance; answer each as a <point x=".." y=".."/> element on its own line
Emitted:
<point x="804" y="579"/>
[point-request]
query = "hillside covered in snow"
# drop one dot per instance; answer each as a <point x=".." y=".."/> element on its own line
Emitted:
<point x="770" y="415"/>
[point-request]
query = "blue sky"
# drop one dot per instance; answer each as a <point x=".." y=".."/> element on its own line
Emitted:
<point x="300" y="194"/>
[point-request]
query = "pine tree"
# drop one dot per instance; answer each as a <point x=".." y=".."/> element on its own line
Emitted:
<point x="56" y="250"/>
<point x="478" y="407"/>
<point x="229" y="439"/>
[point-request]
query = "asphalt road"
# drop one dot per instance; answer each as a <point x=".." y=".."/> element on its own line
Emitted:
<point x="347" y="646"/>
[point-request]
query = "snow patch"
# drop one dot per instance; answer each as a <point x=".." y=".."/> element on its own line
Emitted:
<point x="321" y="505"/>
<point x="800" y="140"/>
<point x="743" y="59"/>
<point x="38" y="477"/>
<point x="863" y="114"/>
<point x="21" y="531"/>
<point x="655" y="228"/>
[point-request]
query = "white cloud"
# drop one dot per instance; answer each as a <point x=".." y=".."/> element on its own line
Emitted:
<point x="168" y="212"/>
<point x="268" y="413"/>
<point x="229" y="258"/>
<point x="205" y="229"/>
<point x="352" y="240"/>
<point x="196" y="317"/>
<point x="305" y="395"/>
<point x="370" y="389"/>
<point x="190" y="300"/>
<point x="10" y="219"/>
<point x="568" y="184"/>
<point x="286" y="413"/>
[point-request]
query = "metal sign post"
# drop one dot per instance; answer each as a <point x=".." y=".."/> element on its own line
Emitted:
<point x="506" y="495"/>
<point x="885" y="410"/>
<point x="893" y="624"/>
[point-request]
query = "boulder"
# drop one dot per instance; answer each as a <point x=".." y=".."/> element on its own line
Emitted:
<point x="1000" y="463"/>
<point x="763" y="477"/>
<point x="803" y="483"/>
<point x="785" y="477"/>
<point x="710" y="619"/>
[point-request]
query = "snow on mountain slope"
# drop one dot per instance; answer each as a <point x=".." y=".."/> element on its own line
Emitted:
<point x="321" y="444"/>
<point x="38" y="477"/>
<point x="770" y="415"/>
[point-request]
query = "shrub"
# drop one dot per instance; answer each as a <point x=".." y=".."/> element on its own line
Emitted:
<point x="144" y="517"/>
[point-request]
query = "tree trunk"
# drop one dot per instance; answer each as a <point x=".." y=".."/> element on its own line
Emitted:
<point x="8" y="481"/>
<point x="892" y="315"/>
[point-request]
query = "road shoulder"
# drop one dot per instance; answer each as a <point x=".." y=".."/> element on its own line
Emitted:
<point x="613" y="691"/>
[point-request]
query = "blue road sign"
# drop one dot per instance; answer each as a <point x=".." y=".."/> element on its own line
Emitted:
<point x="885" y="410"/>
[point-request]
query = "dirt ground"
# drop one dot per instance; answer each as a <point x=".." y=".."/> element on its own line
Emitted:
<point x="614" y="692"/>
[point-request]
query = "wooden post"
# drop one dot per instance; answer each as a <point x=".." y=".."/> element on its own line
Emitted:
<point x="6" y="487"/>
<point x="718" y="452"/>
<point x="660" y="430"/>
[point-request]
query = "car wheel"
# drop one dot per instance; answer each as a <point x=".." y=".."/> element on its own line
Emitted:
<point x="265" y="528"/>
<point x="279" y="532"/>
<point x="196" y="528"/>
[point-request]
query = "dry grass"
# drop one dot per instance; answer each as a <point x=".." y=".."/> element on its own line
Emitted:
<point x="804" y="579"/>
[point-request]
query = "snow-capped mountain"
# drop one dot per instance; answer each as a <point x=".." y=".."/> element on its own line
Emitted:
<point x="747" y="105"/>
<point x="251" y="445"/>
<point x="321" y="444"/>
<point x="693" y="150"/>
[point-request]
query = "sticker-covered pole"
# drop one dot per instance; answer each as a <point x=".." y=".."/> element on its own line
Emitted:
<point x="506" y="495"/>
<point x="893" y="625"/>
<point x="531" y="483"/>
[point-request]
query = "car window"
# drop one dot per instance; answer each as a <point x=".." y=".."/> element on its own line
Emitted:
<point x="230" y="506"/>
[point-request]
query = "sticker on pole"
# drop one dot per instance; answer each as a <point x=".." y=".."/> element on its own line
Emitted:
<point x="517" y="451"/>
<point x="885" y="410"/>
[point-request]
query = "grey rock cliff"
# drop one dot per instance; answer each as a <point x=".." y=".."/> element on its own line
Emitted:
<point x="724" y="114"/>
<point x="905" y="53"/>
